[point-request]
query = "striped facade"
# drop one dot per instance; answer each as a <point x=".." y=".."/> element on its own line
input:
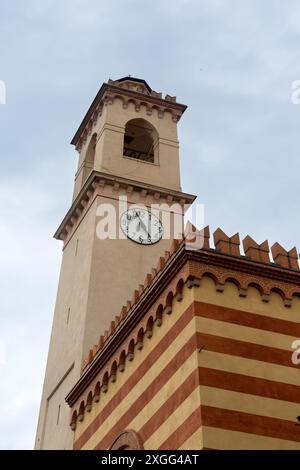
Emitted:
<point x="203" y="360"/>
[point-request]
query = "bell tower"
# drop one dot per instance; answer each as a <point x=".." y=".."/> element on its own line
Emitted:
<point x="129" y="119"/>
<point x="128" y="153"/>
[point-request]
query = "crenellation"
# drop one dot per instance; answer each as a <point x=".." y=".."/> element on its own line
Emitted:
<point x="284" y="258"/>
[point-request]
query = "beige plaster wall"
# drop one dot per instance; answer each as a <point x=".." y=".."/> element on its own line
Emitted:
<point x="67" y="335"/>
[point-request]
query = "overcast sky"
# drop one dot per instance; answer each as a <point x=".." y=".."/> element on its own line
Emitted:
<point x="232" y="62"/>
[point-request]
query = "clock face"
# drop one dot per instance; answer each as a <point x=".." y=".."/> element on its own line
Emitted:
<point x="140" y="226"/>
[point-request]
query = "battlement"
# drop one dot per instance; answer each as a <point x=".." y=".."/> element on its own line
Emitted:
<point x="283" y="266"/>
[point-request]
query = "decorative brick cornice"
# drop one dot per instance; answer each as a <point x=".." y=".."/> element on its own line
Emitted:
<point x="94" y="187"/>
<point x="182" y="265"/>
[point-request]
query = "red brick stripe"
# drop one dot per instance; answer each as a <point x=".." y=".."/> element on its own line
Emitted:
<point x="250" y="423"/>
<point x="251" y="385"/>
<point x="245" y="349"/>
<point x="183" y="432"/>
<point x="150" y="392"/>
<point x="152" y="357"/>
<point x="172" y="403"/>
<point x="243" y="318"/>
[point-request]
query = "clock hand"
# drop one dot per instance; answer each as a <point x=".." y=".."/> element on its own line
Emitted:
<point x="143" y="226"/>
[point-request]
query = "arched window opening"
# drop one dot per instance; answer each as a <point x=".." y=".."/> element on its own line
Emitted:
<point x="127" y="440"/>
<point x="140" y="141"/>
<point x="89" y="159"/>
<point x="90" y="153"/>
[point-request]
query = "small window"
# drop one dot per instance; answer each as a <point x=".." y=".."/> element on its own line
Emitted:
<point x="140" y="141"/>
<point x="68" y="315"/>
<point x="58" y="415"/>
<point x="76" y="247"/>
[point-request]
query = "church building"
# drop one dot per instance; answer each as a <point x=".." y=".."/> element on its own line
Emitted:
<point x="163" y="338"/>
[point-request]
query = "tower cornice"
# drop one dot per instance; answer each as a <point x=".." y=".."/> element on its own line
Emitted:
<point x="93" y="187"/>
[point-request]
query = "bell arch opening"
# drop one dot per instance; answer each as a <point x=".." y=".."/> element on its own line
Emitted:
<point x="89" y="159"/>
<point x="141" y="141"/>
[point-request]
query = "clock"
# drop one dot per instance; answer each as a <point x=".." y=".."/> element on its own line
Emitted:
<point x="141" y="226"/>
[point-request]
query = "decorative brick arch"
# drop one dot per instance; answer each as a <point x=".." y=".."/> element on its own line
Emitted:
<point x="127" y="440"/>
